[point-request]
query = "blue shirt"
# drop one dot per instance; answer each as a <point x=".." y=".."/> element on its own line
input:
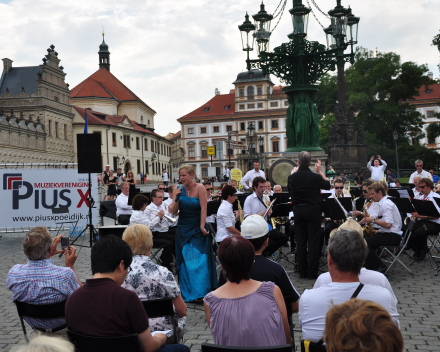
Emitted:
<point x="435" y="178"/>
<point x="392" y="176"/>
<point x="41" y="282"/>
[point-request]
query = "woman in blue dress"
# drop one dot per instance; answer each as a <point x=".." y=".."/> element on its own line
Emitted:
<point x="195" y="259"/>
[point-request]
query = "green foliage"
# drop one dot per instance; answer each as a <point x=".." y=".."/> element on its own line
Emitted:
<point x="327" y="94"/>
<point x="433" y="130"/>
<point x="436" y="42"/>
<point x="325" y="121"/>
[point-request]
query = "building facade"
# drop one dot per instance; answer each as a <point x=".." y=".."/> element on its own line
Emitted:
<point x="36" y="118"/>
<point x="254" y="100"/>
<point x="177" y="152"/>
<point x="124" y="121"/>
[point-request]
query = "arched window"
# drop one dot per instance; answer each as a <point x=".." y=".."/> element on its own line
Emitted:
<point x="250" y="92"/>
<point x="148" y="123"/>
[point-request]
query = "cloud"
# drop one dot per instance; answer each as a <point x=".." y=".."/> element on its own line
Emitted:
<point x="173" y="54"/>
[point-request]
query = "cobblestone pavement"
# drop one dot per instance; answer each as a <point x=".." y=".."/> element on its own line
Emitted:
<point x="419" y="305"/>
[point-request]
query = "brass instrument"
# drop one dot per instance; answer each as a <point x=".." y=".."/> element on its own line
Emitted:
<point x="347" y="215"/>
<point x="240" y="209"/>
<point x="384" y="179"/>
<point x="279" y="221"/>
<point x="347" y="188"/>
<point x="167" y="218"/>
<point x="368" y="228"/>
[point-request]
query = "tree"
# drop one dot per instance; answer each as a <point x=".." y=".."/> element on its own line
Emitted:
<point x="436" y="42"/>
<point x="325" y="121"/>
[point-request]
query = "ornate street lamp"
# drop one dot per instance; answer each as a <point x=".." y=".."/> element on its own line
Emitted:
<point x="396" y="137"/>
<point x="352" y="29"/>
<point x="247" y="35"/>
<point x="300" y="20"/>
<point x="262" y="25"/>
<point x="261" y="143"/>
<point x="251" y="132"/>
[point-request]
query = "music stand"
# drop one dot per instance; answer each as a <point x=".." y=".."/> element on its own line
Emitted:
<point x="281" y="210"/>
<point x="332" y="210"/>
<point x="212" y="207"/>
<point x="355" y="192"/>
<point x="359" y="203"/>
<point x="425" y="208"/>
<point x="148" y="195"/>
<point x="280" y="197"/>
<point x="394" y="192"/>
<point x="403" y="205"/>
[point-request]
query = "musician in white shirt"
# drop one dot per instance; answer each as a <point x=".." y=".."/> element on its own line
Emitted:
<point x="390" y="226"/>
<point x="250" y="175"/>
<point x="377" y="171"/>
<point x="226" y="218"/>
<point x="169" y="203"/>
<point x="123" y="210"/>
<point x="416" y="189"/>
<point x="419" y="171"/>
<point x="425" y="225"/>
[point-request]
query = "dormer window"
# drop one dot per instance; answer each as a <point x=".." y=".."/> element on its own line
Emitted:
<point x="206" y="108"/>
<point x="227" y="107"/>
<point x="251" y="75"/>
<point x="428" y="90"/>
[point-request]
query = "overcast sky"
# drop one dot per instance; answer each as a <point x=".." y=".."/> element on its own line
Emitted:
<point x="173" y="54"/>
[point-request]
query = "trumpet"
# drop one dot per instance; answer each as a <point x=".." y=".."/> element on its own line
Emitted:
<point x="167" y="218"/>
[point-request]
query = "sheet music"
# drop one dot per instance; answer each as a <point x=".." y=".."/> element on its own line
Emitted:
<point x="167" y="332"/>
<point x="403" y="193"/>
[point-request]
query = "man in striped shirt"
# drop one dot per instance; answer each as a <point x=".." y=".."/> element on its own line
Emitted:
<point x="40" y="281"/>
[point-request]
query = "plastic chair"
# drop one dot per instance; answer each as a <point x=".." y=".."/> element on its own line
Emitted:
<point x="308" y="346"/>
<point x="162" y="308"/>
<point x="40" y="312"/>
<point x="63" y="210"/>
<point x="84" y="343"/>
<point x="210" y="347"/>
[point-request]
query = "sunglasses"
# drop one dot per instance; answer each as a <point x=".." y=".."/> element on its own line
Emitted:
<point x="364" y="191"/>
<point x="422" y="187"/>
<point x="339" y="187"/>
<point x="419" y="165"/>
<point x="209" y="189"/>
<point x="162" y="189"/>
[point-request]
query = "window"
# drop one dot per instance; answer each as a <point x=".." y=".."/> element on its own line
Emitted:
<point x="430" y="113"/>
<point x="250" y="92"/>
<point x="66" y="132"/>
<point x="55" y="98"/>
<point x="204" y="171"/>
<point x="190" y="130"/>
<point x="228" y="128"/>
<point x="243" y="151"/>
<point x="97" y="132"/>
<point x="251" y="106"/>
<point x="251" y="75"/>
<point x="230" y="152"/>
<point x="273" y="104"/>
<point x="259" y="90"/>
<point x="260" y="105"/>
<point x="50" y="128"/>
<point x="274" y="123"/>
<point x="161" y="148"/>
<point x="428" y="90"/>
<point x="142" y="119"/>
<point x="152" y="168"/>
<point x="202" y="129"/>
<point x="152" y="146"/>
<point x="216" y="129"/>
<point x="191" y="151"/>
<point x="138" y="145"/>
<point x="145" y="144"/>
<point x="126" y="141"/>
<point x="286" y="103"/>
<point x="227" y="107"/>
<point x="138" y="164"/>
<point x="113" y="139"/>
<point x="275" y="147"/>
<point x="242" y="126"/>
<point x="57" y="132"/>
<point x="241" y="92"/>
<point x="261" y="148"/>
<point x="115" y="163"/>
<point x="206" y="108"/>
<point x="260" y="125"/>
<point x="146" y="167"/>
<point x="204" y="151"/>
<point x="241" y="106"/>
<point x="430" y="141"/>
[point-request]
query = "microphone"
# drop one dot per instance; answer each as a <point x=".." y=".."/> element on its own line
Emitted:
<point x="178" y="196"/>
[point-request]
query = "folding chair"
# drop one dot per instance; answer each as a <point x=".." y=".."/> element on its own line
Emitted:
<point x="210" y="347"/>
<point x="63" y="210"/>
<point x="308" y="346"/>
<point x="400" y="248"/>
<point x="434" y="244"/>
<point x="40" y="312"/>
<point x="162" y="308"/>
<point x="85" y="343"/>
<point x="212" y="233"/>
<point x="288" y="304"/>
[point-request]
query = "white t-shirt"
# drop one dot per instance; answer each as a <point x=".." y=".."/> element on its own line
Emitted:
<point x="122" y="207"/>
<point x="249" y="177"/>
<point x="423" y="174"/>
<point x="367" y="277"/>
<point x="377" y="172"/>
<point x="315" y="303"/>
<point x="225" y="218"/>
<point x="165" y="177"/>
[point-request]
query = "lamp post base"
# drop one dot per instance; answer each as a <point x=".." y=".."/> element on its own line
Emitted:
<point x="307" y="149"/>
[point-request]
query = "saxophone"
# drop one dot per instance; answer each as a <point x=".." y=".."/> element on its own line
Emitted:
<point x="368" y="229"/>
<point x="240" y="211"/>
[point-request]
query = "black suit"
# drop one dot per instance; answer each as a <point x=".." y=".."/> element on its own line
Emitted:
<point x="305" y="189"/>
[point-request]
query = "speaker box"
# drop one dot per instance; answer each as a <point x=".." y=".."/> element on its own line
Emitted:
<point x="89" y="153"/>
<point x="116" y="230"/>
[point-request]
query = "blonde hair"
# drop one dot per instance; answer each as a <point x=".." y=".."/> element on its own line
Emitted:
<point x="189" y="169"/>
<point x="139" y="238"/>
<point x="350" y="224"/>
<point x="124" y="184"/>
<point x="44" y="343"/>
<point x="131" y="172"/>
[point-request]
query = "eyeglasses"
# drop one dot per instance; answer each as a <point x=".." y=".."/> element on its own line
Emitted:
<point x="421" y="187"/>
<point x="209" y="189"/>
<point x="364" y="191"/>
<point x="162" y="189"/>
<point x="339" y="187"/>
<point x="419" y="165"/>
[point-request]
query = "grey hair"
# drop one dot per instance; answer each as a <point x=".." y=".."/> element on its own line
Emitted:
<point x="36" y="243"/>
<point x="348" y="250"/>
<point x="43" y="343"/>
<point x="304" y="159"/>
<point x="418" y="161"/>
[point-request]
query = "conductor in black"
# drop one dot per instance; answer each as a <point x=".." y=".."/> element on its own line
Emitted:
<point x="305" y="191"/>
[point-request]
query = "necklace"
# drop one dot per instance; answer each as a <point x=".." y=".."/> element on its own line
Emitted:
<point x="188" y="192"/>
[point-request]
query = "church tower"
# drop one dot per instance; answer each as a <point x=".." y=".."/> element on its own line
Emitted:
<point x="104" y="55"/>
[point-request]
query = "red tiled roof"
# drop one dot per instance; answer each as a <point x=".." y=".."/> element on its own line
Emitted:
<point x="94" y="118"/>
<point x="103" y="84"/>
<point x="175" y="135"/>
<point x="216" y="107"/>
<point x="428" y="96"/>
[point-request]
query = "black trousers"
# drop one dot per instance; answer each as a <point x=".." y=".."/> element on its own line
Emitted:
<point x="165" y="240"/>
<point x="419" y="237"/>
<point x="276" y="240"/>
<point x="328" y="228"/>
<point x="308" y="239"/>
<point x="373" y="262"/>
<point x="124" y="219"/>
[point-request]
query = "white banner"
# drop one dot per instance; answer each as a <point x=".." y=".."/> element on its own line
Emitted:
<point x="28" y="196"/>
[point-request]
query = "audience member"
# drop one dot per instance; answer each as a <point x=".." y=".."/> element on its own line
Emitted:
<point x="390" y="178"/>
<point x="359" y="179"/>
<point x="377" y="170"/>
<point x="40" y="281"/>
<point x="44" y="343"/>
<point x="361" y="326"/>
<point x="256" y="230"/>
<point x="104" y="179"/>
<point x="419" y="171"/>
<point x="347" y="251"/>
<point x="435" y="178"/>
<point x="226" y="218"/>
<point x="244" y="312"/>
<point x="123" y="210"/>
<point x="343" y="178"/>
<point x="151" y="281"/>
<point x="102" y="308"/>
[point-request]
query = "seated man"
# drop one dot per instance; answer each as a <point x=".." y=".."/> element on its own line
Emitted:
<point x="160" y="227"/>
<point x="163" y="188"/>
<point x="255" y="229"/>
<point x="277" y="189"/>
<point x="102" y="308"/>
<point x="170" y="202"/>
<point x="123" y="210"/>
<point x="40" y="281"/>
<point x="233" y="183"/>
<point x="338" y="192"/>
<point x="347" y="251"/>
<point x="226" y="218"/>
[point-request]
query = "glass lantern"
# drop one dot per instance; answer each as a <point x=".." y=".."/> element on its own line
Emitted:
<point x="247" y="34"/>
<point x="331" y="42"/>
<point x="300" y="20"/>
<point x="339" y="20"/>
<point x="262" y="32"/>
<point x="352" y="28"/>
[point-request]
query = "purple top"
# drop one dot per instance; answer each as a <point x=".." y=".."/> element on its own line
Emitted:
<point x="241" y="322"/>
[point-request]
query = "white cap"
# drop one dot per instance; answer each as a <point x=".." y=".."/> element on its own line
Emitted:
<point x="254" y="226"/>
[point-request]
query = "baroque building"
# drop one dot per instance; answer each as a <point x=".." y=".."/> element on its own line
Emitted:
<point x="124" y="121"/>
<point x="254" y="100"/>
<point x="35" y="113"/>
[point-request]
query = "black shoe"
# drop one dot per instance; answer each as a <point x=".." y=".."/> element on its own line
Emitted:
<point x="416" y="254"/>
<point x="381" y="269"/>
<point x="422" y="256"/>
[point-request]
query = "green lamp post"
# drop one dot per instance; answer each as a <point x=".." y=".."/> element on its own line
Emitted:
<point x="300" y="64"/>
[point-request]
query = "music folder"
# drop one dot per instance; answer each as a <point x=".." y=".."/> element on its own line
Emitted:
<point x="403" y="205"/>
<point x="282" y="209"/>
<point x="394" y="192"/>
<point x="425" y="208"/>
<point x="280" y="197"/>
<point x="355" y="192"/>
<point x="332" y="210"/>
<point x="359" y="203"/>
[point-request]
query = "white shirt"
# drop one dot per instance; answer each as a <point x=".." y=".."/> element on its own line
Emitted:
<point x="373" y="210"/>
<point x="122" y="207"/>
<point x="315" y="303"/>
<point x="249" y="177"/>
<point x="423" y="174"/>
<point x="252" y="205"/>
<point x="226" y="172"/>
<point x="139" y="217"/>
<point x="389" y="212"/>
<point x="168" y="203"/>
<point x="367" y="277"/>
<point x="165" y="177"/>
<point x="154" y="222"/>
<point x="120" y="180"/>
<point x="225" y="218"/>
<point x="377" y="171"/>
<point x="416" y="193"/>
<point x="430" y="197"/>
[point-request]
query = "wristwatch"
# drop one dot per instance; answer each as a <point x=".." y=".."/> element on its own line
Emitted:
<point x="374" y="220"/>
